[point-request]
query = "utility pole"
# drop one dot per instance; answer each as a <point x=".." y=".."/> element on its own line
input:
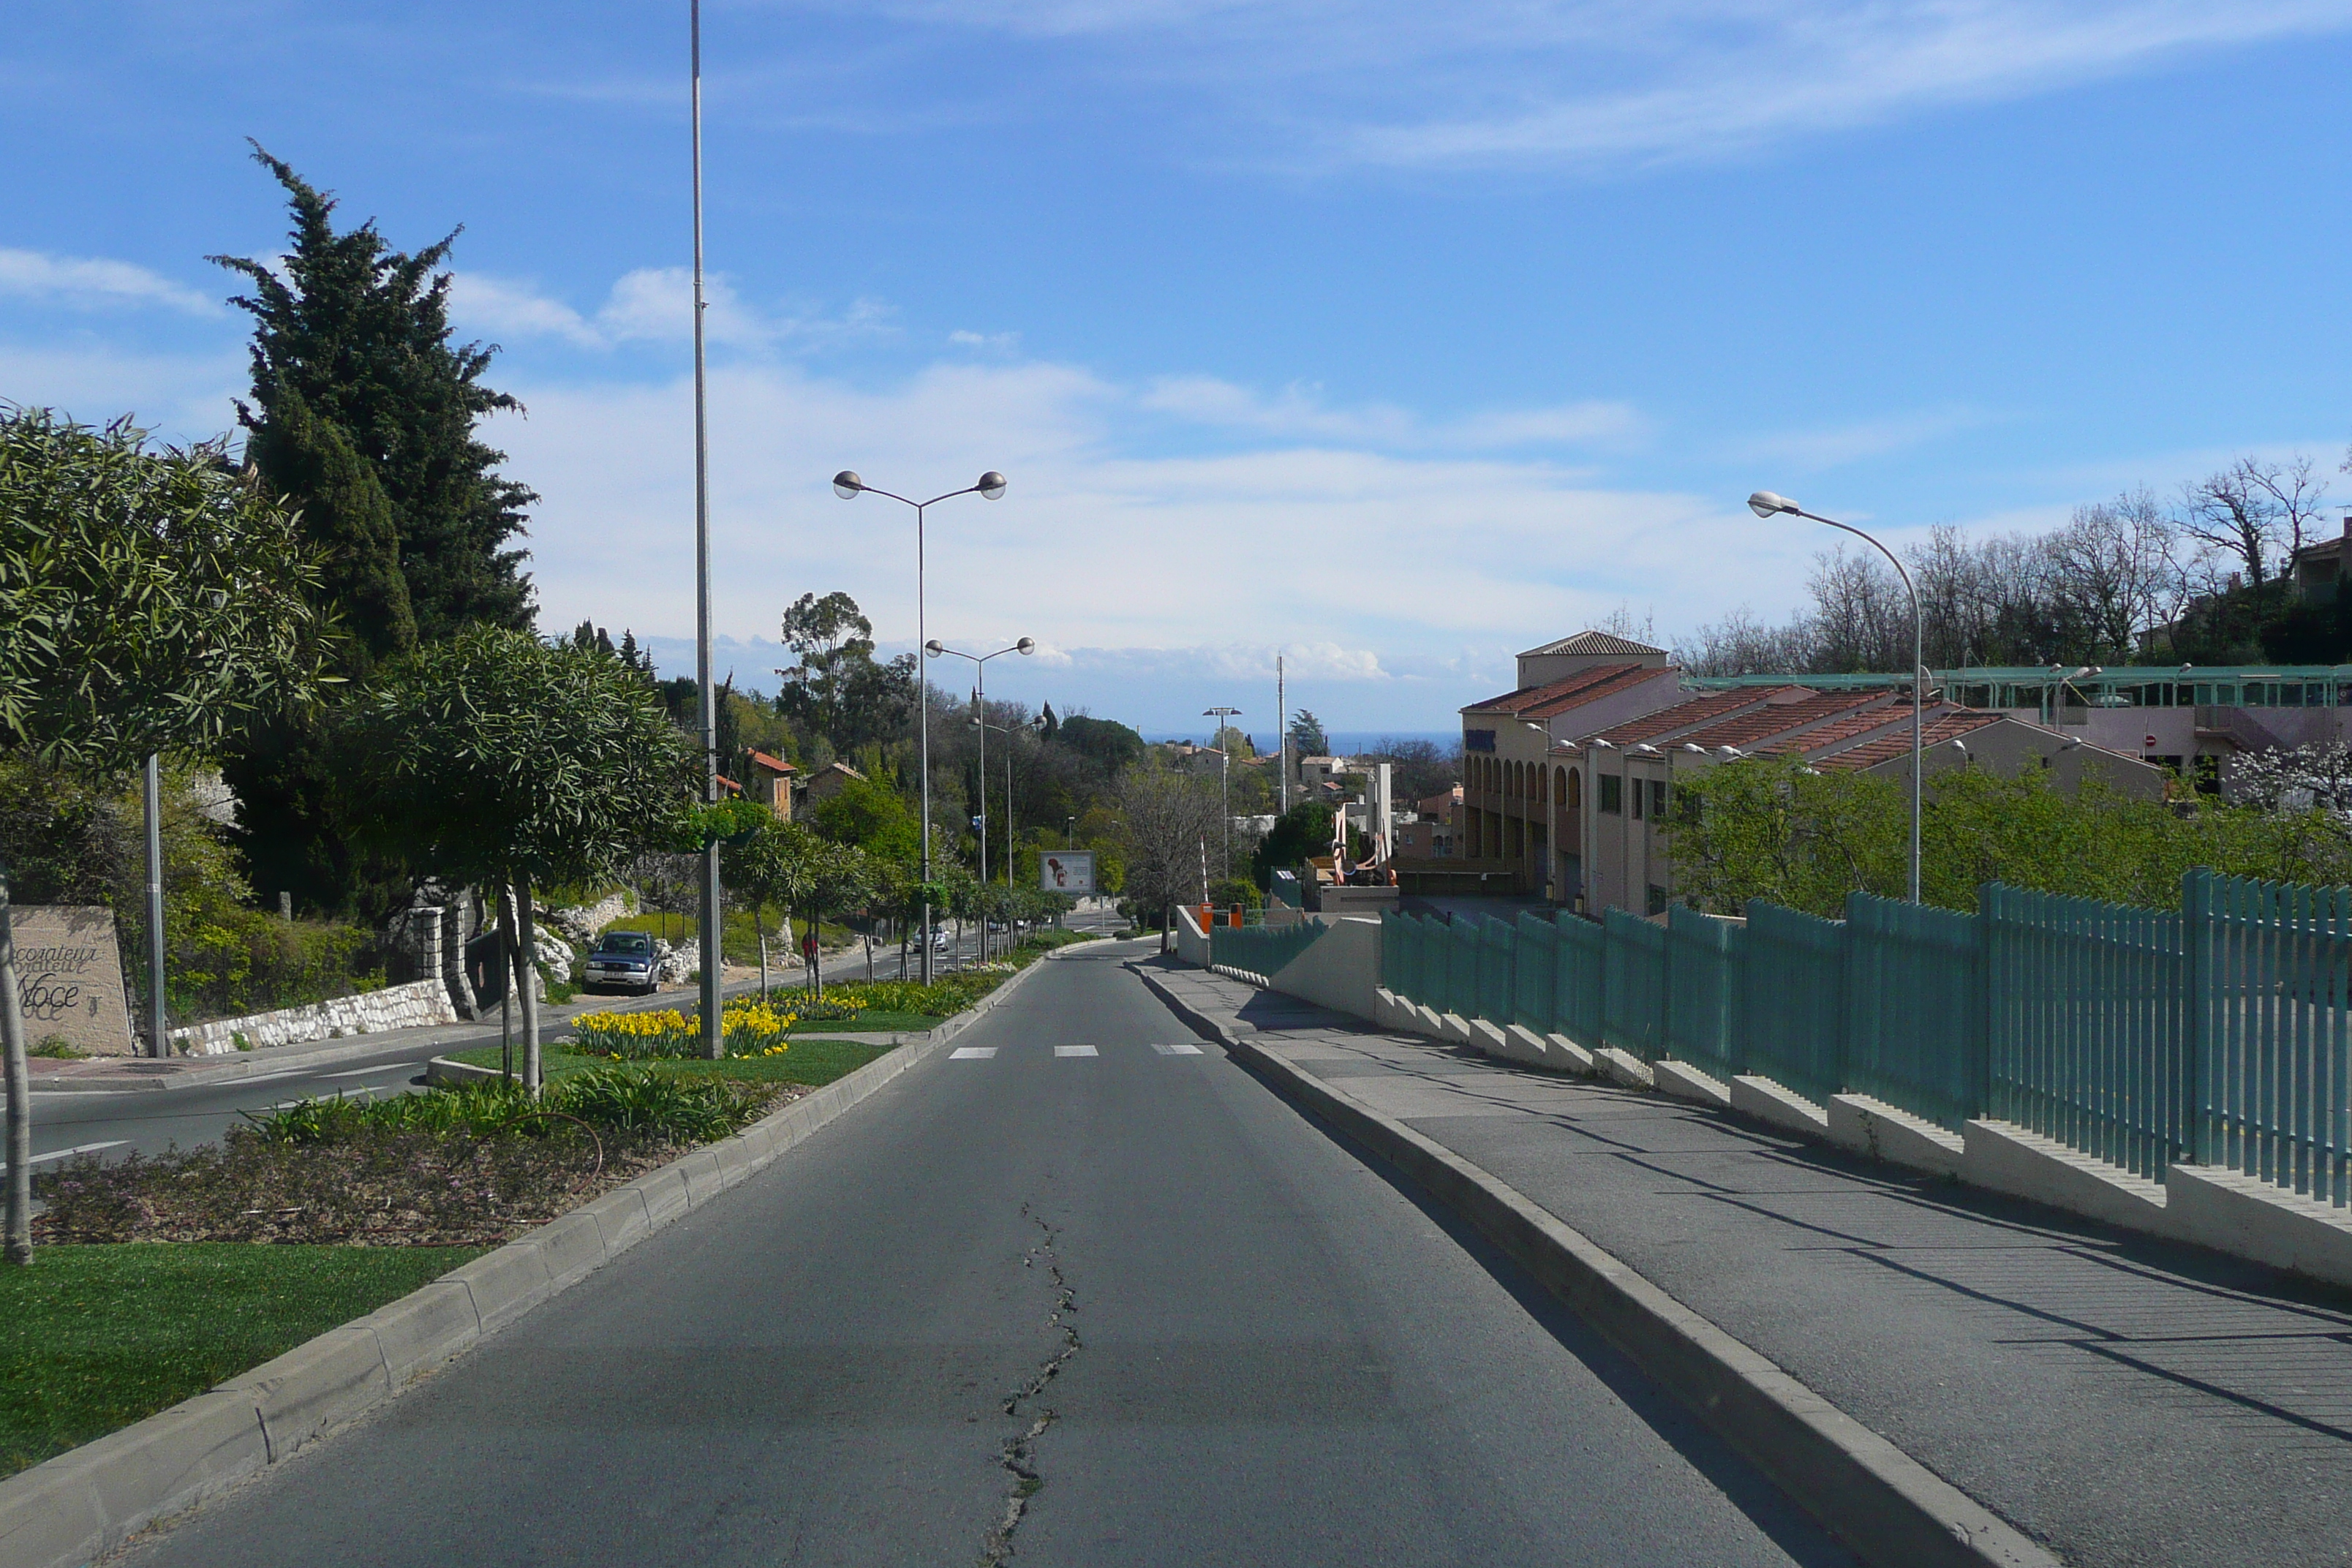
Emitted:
<point x="159" y="1036"/>
<point x="1282" y="730"/>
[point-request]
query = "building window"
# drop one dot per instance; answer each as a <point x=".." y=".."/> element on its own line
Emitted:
<point x="1637" y="798"/>
<point x="1612" y="793"/>
<point x="1657" y="899"/>
<point x="1479" y="740"/>
<point x="1657" y="800"/>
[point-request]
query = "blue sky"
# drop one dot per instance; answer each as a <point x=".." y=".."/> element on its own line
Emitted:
<point x="1399" y="336"/>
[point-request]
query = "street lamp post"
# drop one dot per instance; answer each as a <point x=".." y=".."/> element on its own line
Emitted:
<point x="1764" y="504"/>
<point x="1225" y="718"/>
<point x="849" y="486"/>
<point x="713" y="1038"/>
<point x="1012" y="816"/>
<point x="937" y="648"/>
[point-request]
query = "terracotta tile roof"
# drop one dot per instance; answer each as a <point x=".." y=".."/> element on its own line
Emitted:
<point x="1850" y="727"/>
<point x="774" y="764"/>
<point x="1684" y="715"/>
<point x="1592" y="642"/>
<point x="1570" y="691"/>
<point x="1750" y="730"/>
<point x="1951" y="724"/>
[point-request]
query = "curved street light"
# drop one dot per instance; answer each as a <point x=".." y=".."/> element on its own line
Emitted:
<point x="1764" y="504"/>
<point x="990" y="487"/>
<point x="937" y="649"/>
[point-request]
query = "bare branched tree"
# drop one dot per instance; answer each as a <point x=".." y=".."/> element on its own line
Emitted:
<point x="1168" y="816"/>
<point x="2254" y="514"/>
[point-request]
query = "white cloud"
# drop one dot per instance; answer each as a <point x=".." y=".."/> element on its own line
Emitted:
<point x="1403" y="576"/>
<point x="1404" y="83"/>
<point x="1001" y="342"/>
<point x="89" y="282"/>
<point x="1298" y="410"/>
<point x="651" y="304"/>
<point x="1830" y="447"/>
<point x="181" y="397"/>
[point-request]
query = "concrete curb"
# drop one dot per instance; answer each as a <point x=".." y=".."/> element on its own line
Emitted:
<point x="67" y="1511"/>
<point x="1887" y="1506"/>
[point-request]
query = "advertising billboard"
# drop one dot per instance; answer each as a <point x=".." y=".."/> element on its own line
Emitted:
<point x="1070" y="871"/>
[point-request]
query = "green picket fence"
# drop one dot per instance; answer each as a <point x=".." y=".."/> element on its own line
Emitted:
<point x="2268" y="967"/>
<point x="1262" y="949"/>
<point x="2137" y="1036"/>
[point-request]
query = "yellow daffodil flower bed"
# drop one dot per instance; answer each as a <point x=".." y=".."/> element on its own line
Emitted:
<point x="749" y="1028"/>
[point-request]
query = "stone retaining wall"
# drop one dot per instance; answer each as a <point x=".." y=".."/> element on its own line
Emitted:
<point x="393" y="1007"/>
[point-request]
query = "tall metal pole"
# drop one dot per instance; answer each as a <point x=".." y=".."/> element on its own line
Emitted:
<point x="980" y="706"/>
<point x="923" y="706"/>
<point x="19" y="1239"/>
<point x="1282" y="730"/>
<point x="159" y="1037"/>
<point x="713" y="1042"/>
<point x="1764" y="503"/>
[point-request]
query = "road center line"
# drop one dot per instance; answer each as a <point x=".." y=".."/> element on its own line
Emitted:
<point x="1175" y="1048"/>
<point x="972" y="1053"/>
<point x="1076" y="1051"/>
<point x="77" y="1149"/>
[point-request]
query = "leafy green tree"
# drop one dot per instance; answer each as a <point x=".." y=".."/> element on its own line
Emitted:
<point x="362" y="416"/>
<point x="1303" y="831"/>
<point x="1306" y="737"/>
<point x="359" y="334"/>
<point x="151" y="602"/>
<point x="347" y="519"/>
<point x="1767" y="828"/>
<point x="874" y="818"/>
<point x="497" y="760"/>
<point x="838" y="690"/>
<point x="1111" y="744"/>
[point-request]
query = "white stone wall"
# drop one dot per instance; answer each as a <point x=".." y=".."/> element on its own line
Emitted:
<point x="393" y="1007"/>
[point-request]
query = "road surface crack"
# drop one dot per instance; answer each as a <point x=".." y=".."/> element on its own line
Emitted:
<point x="1019" y="1455"/>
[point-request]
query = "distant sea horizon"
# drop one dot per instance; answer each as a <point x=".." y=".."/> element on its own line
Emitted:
<point x="1344" y="742"/>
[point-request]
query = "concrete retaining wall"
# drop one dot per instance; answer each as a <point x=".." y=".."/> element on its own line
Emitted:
<point x="1191" y="941"/>
<point x="1340" y="970"/>
<point x="420" y="1003"/>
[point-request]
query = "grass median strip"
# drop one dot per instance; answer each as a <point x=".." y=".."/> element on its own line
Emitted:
<point x="813" y="1062"/>
<point x="95" y="1338"/>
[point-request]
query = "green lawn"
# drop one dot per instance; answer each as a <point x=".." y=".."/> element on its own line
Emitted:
<point x="813" y="1062"/>
<point x="873" y="1023"/>
<point x="95" y="1338"/>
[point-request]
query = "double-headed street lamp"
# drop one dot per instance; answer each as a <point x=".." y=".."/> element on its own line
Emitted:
<point x="849" y="486"/>
<point x="1225" y="718"/>
<point x="937" y="649"/>
<point x="1764" y="504"/>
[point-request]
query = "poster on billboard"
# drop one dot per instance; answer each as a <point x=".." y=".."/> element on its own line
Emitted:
<point x="1070" y="871"/>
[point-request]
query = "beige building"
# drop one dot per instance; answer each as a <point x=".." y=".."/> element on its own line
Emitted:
<point x="1568" y="780"/>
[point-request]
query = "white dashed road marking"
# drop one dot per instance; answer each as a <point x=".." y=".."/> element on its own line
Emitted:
<point x="78" y="1149"/>
<point x="1175" y="1048"/>
<point x="972" y="1053"/>
<point x="1076" y="1051"/>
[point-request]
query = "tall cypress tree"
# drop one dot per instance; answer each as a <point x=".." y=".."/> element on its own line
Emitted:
<point x="345" y="512"/>
<point x="358" y="332"/>
<point x="364" y="417"/>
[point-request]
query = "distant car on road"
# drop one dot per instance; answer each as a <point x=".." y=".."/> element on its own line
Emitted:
<point x="621" y="959"/>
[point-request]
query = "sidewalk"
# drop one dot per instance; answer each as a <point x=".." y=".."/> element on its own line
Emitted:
<point x="2124" y="1401"/>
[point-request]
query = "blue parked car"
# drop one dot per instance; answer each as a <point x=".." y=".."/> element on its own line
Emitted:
<point x="622" y="960"/>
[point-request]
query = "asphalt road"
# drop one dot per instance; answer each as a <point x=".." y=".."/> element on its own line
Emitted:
<point x="1086" y="1264"/>
<point x="149" y="1121"/>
